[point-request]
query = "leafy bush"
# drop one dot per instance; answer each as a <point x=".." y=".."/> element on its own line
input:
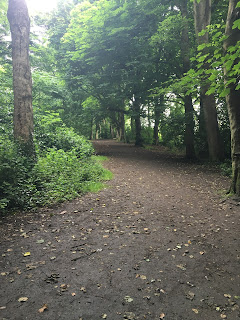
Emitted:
<point x="147" y="135"/>
<point x="51" y="132"/>
<point x="57" y="175"/>
<point x="15" y="182"/>
<point x="226" y="168"/>
<point x="172" y="129"/>
<point x="60" y="176"/>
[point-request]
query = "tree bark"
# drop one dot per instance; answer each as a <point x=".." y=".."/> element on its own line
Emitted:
<point x="137" y="119"/>
<point x="157" y="113"/>
<point x="121" y="126"/>
<point x="156" y="126"/>
<point x="202" y="18"/>
<point x="189" y="128"/>
<point x="185" y="51"/>
<point x="22" y="80"/>
<point x="233" y="98"/>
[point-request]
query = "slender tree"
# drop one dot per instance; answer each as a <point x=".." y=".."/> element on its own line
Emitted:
<point x="233" y="97"/>
<point x="22" y="81"/>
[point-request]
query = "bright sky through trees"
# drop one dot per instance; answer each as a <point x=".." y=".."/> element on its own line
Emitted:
<point x="42" y="5"/>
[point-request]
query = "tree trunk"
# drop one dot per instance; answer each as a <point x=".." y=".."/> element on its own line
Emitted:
<point x="189" y="128"/>
<point x="22" y="81"/>
<point x="157" y="112"/>
<point x="185" y="51"/>
<point x="121" y="126"/>
<point x="156" y="127"/>
<point x="137" y="119"/>
<point x="233" y="98"/>
<point x="91" y="130"/>
<point x="203" y="144"/>
<point x="202" y="18"/>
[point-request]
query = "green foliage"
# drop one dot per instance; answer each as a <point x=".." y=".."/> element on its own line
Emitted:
<point x="51" y="132"/>
<point x="15" y="175"/>
<point x="172" y="128"/>
<point x="63" y="170"/>
<point x="215" y="60"/>
<point x="226" y="168"/>
<point x="147" y="135"/>
<point x="61" y="176"/>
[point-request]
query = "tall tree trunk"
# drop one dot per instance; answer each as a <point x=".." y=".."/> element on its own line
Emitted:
<point x="189" y="128"/>
<point x="185" y="50"/>
<point x="22" y="81"/>
<point x="121" y="126"/>
<point x="203" y="144"/>
<point x="202" y="18"/>
<point x="156" y="126"/>
<point x="233" y="98"/>
<point x="91" y="130"/>
<point x="157" y="112"/>
<point x="137" y="119"/>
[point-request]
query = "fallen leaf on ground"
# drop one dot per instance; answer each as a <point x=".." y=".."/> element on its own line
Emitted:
<point x="223" y="316"/>
<point x="23" y="299"/>
<point x="64" y="287"/>
<point x="129" y="316"/>
<point x="181" y="266"/>
<point x="104" y="316"/>
<point x="128" y="299"/>
<point x="190" y="295"/>
<point x="44" y="307"/>
<point x="195" y="311"/>
<point x="26" y="254"/>
<point x="40" y="241"/>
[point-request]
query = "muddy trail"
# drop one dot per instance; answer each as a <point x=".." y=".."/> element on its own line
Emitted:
<point x="159" y="242"/>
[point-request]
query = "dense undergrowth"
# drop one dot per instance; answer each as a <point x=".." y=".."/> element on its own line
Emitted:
<point x="63" y="169"/>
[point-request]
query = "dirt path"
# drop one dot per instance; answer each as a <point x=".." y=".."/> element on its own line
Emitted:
<point x="158" y="243"/>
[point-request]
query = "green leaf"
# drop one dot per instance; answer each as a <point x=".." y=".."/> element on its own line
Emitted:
<point x="236" y="24"/>
<point x="210" y="91"/>
<point x="224" y="93"/>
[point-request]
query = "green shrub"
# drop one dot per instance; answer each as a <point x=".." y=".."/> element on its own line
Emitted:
<point x="50" y="132"/>
<point x="147" y="135"/>
<point x="15" y="175"/>
<point x="60" y="176"/>
<point x="57" y="175"/>
<point x="226" y="168"/>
